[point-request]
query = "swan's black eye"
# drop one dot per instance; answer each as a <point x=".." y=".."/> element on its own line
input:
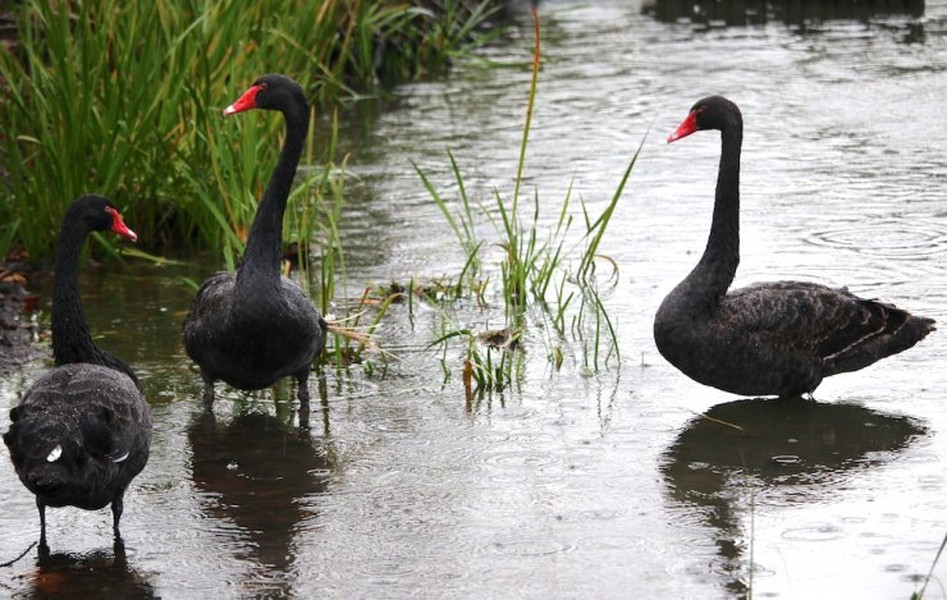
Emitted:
<point x="263" y="85"/>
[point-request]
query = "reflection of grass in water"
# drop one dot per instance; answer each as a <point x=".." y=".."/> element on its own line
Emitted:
<point x="538" y="278"/>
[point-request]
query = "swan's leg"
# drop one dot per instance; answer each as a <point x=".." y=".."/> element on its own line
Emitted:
<point x="302" y="380"/>
<point x="43" y="547"/>
<point x="303" y="417"/>
<point x="118" y="507"/>
<point x="208" y="392"/>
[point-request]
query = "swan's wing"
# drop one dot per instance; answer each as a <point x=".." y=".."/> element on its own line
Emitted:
<point x="105" y="405"/>
<point x="214" y="281"/>
<point x="208" y="315"/>
<point x="115" y="435"/>
<point x="801" y="315"/>
<point x="213" y="297"/>
<point x="106" y="435"/>
<point x="302" y="305"/>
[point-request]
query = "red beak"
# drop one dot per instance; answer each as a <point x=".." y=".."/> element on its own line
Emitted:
<point x="687" y="127"/>
<point x="244" y="102"/>
<point x="119" y="226"/>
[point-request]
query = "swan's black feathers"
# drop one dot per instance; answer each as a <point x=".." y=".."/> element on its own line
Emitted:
<point x="796" y="314"/>
<point x="82" y="431"/>
<point x="776" y="338"/>
<point x="74" y="350"/>
<point x="95" y="414"/>
<point x="106" y="435"/>
<point x="279" y="334"/>
<point x="255" y="327"/>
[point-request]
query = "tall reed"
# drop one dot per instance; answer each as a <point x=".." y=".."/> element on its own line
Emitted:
<point x="124" y="99"/>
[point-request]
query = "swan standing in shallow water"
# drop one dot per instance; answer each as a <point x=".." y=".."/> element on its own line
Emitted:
<point x="82" y="431"/>
<point x="767" y="339"/>
<point x="255" y="327"/>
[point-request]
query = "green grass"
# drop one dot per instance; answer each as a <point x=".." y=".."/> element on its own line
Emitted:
<point x="125" y="99"/>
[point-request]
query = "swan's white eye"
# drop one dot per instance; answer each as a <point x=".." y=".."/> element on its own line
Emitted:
<point x="54" y="454"/>
<point x="121" y="458"/>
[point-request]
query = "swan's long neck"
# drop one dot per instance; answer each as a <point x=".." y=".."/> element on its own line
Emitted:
<point x="261" y="259"/>
<point x="72" y="342"/>
<point x="717" y="267"/>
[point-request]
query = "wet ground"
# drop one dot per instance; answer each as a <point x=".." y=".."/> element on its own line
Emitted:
<point x="569" y="484"/>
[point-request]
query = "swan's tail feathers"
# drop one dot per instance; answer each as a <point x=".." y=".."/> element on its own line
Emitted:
<point x="901" y="331"/>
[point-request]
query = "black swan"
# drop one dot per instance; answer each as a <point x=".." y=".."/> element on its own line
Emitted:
<point x="255" y="327"/>
<point x="83" y="430"/>
<point x="767" y="339"/>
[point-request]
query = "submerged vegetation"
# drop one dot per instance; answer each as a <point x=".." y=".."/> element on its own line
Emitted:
<point x="125" y="99"/>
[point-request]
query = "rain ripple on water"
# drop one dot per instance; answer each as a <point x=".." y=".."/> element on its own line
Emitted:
<point x="885" y="239"/>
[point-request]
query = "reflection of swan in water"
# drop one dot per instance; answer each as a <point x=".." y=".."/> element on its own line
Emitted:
<point x="795" y="13"/>
<point x="98" y="574"/>
<point x="257" y="472"/>
<point x="799" y="443"/>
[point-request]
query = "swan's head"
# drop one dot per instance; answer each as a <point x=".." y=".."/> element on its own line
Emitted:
<point x="712" y="112"/>
<point x="273" y="92"/>
<point x="98" y="214"/>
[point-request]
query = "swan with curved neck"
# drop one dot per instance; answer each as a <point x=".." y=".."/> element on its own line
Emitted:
<point x="255" y="327"/>
<point x="768" y="339"/>
<point x="82" y="431"/>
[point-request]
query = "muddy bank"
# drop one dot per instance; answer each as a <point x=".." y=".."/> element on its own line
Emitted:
<point x="17" y="327"/>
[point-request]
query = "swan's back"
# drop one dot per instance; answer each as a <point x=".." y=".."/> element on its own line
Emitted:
<point x="80" y="435"/>
<point x="782" y="338"/>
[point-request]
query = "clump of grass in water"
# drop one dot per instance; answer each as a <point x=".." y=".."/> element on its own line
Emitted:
<point x="535" y="273"/>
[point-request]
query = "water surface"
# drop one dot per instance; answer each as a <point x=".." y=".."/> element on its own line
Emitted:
<point x="570" y="484"/>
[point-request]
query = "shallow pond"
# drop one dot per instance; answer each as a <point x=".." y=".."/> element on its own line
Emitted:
<point x="570" y="483"/>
